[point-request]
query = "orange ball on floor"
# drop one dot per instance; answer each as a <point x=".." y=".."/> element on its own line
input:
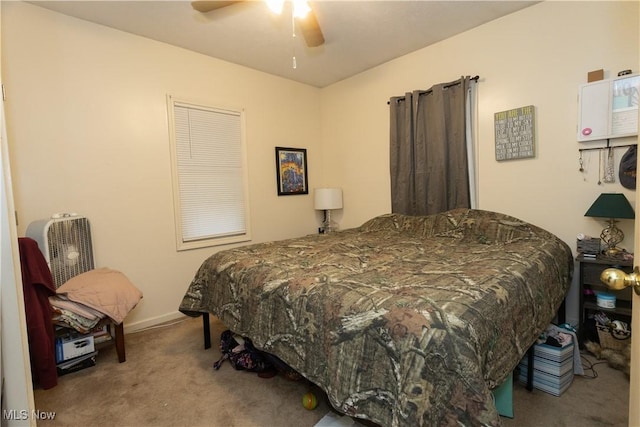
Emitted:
<point x="309" y="401"/>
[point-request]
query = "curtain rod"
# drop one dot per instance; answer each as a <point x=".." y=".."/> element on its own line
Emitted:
<point x="457" y="82"/>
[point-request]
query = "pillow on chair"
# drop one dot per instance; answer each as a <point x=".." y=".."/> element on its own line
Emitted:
<point x="103" y="289"/>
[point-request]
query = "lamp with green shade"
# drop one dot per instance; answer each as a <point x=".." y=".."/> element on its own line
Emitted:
<point x="612" y="206"/>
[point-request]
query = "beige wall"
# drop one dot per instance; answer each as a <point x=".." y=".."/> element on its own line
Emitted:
<point x="537" y="56"/>
<point x="87" y="122"/>
<point x="87" y="125"/>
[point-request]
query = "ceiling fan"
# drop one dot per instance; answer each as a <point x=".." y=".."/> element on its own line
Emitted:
<point x="308" y="23"/>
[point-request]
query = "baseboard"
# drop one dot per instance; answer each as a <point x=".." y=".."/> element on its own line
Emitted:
<point x="154" y="321"/>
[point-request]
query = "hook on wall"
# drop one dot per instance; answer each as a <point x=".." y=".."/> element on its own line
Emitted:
<point x="608" y="146"/>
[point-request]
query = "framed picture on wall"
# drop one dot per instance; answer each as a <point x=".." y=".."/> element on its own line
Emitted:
<point x="291" y="171"/>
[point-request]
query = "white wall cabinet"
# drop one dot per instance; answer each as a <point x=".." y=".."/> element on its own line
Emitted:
<point x="608" y="108"/>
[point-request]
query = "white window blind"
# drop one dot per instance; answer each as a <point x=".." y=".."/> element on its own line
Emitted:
<point x="209" y="170"/>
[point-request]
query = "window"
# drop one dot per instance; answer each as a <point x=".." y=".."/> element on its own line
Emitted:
<point x="209" y="175"/>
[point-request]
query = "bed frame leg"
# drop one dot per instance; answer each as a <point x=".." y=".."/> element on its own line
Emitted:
<point x="562" y="312"/>
<point x="206" y="330"/>
<point x="530" y="354"/>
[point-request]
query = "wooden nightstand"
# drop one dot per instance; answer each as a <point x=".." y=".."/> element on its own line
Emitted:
<point x="590" y="284"/>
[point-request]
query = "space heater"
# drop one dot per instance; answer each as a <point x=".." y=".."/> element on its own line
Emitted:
<point x="65" y="241"/>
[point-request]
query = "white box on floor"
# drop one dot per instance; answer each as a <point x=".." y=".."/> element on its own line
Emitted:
<point x="73" y="345"/>
<point x="552" y="368"/>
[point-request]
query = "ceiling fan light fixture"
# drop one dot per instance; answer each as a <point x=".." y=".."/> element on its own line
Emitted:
<point x="275" y="5"/>
<point x="300" y="8"/>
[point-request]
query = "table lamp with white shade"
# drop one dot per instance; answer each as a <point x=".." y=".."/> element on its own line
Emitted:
<point x="327" y="199"/>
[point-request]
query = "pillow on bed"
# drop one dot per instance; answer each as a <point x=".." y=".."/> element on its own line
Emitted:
<point x="466" y="225"/>
<point x="487" y="227"/>
<point x="382" y="222"/>
<point x="416" y="225"/>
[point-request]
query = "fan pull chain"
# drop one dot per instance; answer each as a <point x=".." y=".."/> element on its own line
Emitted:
<point x="293" y="38"/>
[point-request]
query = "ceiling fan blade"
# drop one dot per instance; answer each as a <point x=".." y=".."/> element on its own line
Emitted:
<point x="208" y="6"/>
<point x="311" y="30"/>
<point x="308" y="25"/>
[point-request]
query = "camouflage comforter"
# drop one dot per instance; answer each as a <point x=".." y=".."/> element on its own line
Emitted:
<point x="404" y="321"/>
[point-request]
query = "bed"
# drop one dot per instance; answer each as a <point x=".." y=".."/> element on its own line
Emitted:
<point x="402" y="321"/>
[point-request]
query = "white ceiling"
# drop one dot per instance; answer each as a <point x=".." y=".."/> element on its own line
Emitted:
<point x="358" y="34"/>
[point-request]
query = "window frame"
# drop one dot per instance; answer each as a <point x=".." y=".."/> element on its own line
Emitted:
<point x="220" y="239"/>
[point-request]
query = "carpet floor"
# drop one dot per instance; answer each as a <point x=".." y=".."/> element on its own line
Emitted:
<point x="168" y="380"/>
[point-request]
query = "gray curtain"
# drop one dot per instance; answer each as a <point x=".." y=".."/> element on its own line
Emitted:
<point x="429" y="171"/>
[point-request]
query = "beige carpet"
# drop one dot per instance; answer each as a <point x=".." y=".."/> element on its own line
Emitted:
<point x="168" y="380"/>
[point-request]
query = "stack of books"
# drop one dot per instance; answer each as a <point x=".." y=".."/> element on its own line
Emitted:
<point x="552" y="368"/>
<point x="588" y="246"/>
<point x="101" y="335"/>
<point x="77" y="363"/>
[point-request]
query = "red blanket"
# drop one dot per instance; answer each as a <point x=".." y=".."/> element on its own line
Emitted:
<point x="37" y="285"/>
